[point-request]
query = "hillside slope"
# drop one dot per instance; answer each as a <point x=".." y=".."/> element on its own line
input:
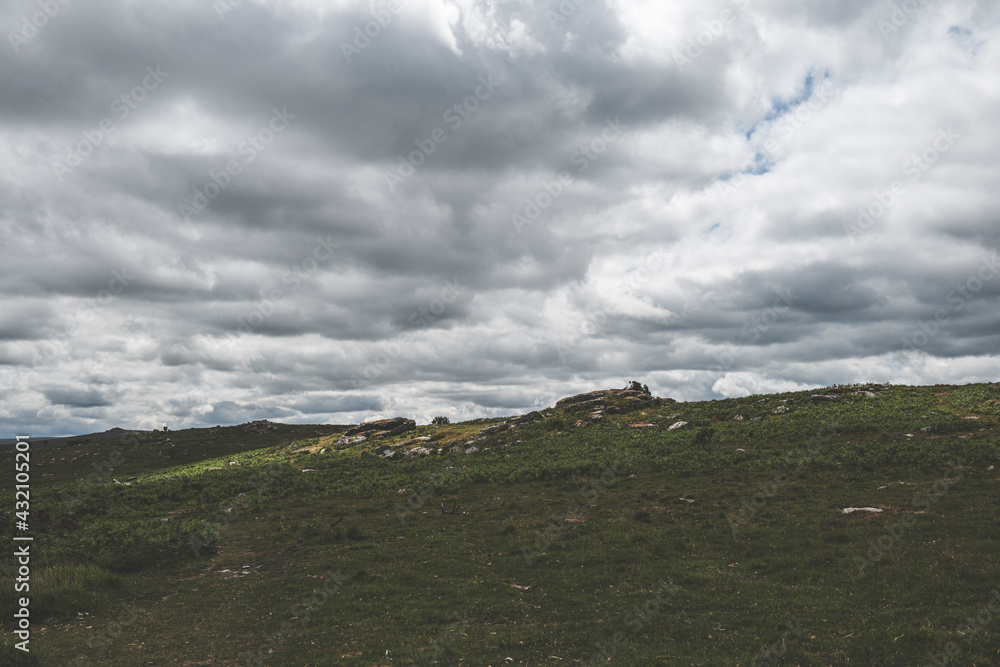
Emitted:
<point x="612" y="528"/>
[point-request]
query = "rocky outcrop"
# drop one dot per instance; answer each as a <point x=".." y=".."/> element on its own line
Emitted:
<point x="610" y="401"/>
<point x="260" y="426"/>
<point x="382" y="428"/>
<point x="523" y="419"/>
<point x="821" y="398"/>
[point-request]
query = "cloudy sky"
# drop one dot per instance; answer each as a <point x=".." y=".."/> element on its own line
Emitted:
<point x="307" y="211"/>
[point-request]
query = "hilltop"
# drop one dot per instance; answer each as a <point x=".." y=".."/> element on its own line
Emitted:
<point x="613" y="527"/>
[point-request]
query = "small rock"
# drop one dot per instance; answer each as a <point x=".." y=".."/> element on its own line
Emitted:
<point x="676" y="425"/>
<point x="868" y="394"/>
<point x="780" y="410"/>
<point x="642" y="425"/>
<point x="849" y="510"/>
<point x="471" y="450"/>
<point x="819" y="398"/>
<point x="740" y="449"/>
<point x="738" y="418"/>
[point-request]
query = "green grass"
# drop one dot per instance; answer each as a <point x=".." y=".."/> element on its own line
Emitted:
<point x="656" y="547"/>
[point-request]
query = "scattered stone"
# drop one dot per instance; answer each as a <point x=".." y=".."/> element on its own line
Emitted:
<point x="755" y="419"/>
<point x="675" y="416"/>
<point x="389" y="454"/>
<point x="234" y="463"/>
<point x="346" y="440"/>
<point x="215" y="468"/>
<point x="866" y="393"/>
<point x="417" y="452"/>
<point x="820" y="398"/>
<point x="642" y="425"/>
<point x="926" y="428"/>
<point x="849" y="510"/>
<point x="740" y="449"/>
<point x="780" y="410"/>
<point x="495" y="428"/>
<point x="472" y="450"/>
<point x="738" y="418"/>
<point x="131" y="479"/>
<point x="677" y="425"/>
<point x="381" y="449"/>
<point x="990" y="469"/>
<point x="971" y="417"/>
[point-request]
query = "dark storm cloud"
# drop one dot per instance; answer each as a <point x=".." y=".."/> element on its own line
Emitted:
<point x="443" y="218"/>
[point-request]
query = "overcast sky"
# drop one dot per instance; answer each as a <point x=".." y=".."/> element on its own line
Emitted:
<point x="326" y="212"/>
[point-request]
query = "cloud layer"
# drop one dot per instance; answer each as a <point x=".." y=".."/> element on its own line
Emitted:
<point x="332" y="211"/>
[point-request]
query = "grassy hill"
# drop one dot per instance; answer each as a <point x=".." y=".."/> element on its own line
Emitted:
<point x="619" y="529"/>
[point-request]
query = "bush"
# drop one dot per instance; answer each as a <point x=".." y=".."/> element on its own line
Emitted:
<point x="440" y="420"/>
